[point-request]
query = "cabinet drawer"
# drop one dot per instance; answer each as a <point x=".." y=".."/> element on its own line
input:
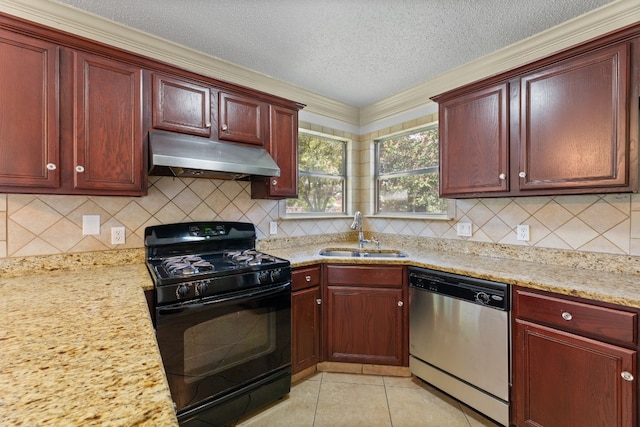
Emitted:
<point x="586" y="319"/>
<point x="305" y="278"/>
<point x="353" y="275"/>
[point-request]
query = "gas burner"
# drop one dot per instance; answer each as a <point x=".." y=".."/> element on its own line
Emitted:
<point x="249" y="257"/>
<point x="186" y="265"/>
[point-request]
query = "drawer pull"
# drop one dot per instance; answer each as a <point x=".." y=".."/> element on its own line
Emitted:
<point x="400" y="303"/>
<point x="318" y="301"/>
<point x="307" y="278"/>
<point x="566" y="315"/>
<point x="627" y="376"/>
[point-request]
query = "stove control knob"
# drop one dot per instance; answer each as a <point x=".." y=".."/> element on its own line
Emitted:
<point x="275" y="275"/>
<point x="263" y="277"/>
<point x="202" y="288"/>
<point x="182" y="291"/>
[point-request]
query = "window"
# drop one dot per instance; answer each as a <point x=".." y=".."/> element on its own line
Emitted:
<point x="407" y="173"/>
<point x="322" y="175"/>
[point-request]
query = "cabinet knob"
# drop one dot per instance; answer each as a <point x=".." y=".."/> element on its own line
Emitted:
<point x="522" y="174"/>
<point x="79" y="169"/>
<point x="208" y="125"/>
<point x="400" y="303"/>
<point x="627" y="376"/>
<point x="502" y="176"/>
<point x="224" y="127"/>
<point x="566" y="315"/>
<point x="274" y="182"/>
<point x="51" y="166"/>
<point x="307" y="278"/>
<point x="318" y="301"/>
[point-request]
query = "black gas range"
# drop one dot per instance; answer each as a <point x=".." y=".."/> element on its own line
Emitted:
<point x="222" y="317"/>
<point x="201" y="259"/>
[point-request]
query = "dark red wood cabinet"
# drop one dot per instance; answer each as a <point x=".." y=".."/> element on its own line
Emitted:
<point x="365" y="315"/>
<point x="242" y="119"/>
<point x="29" y="113"/>
<point x="575" y="363"/>
<point x="181" y="105"/>
<point x="306" y="318"/>
<point x="564" y="125"/>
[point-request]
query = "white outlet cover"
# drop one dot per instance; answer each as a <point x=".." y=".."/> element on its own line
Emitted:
<point x="273" y="227"/>
<point x="523" y="232"/>
<point x="90" y="225"/>
<point x="464" y="229"/>
<point x="118" y="235"/>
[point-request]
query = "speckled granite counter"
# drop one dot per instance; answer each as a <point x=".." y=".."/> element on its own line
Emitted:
<point x="607" y="286"/>
<point x="78" y="349"/>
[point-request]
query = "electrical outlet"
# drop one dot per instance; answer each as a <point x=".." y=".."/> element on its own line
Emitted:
<point x="464" y="229"/>
<point x="117" y="235"/>
<point x="273" y="227"/>
<point x="523" y="232"/>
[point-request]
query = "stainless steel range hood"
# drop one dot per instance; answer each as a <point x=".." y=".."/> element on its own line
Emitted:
<point x="180" y="155"/>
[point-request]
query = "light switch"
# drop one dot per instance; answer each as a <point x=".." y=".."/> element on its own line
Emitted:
<point x="464" y="229"/>
<point x="90" y="224"/>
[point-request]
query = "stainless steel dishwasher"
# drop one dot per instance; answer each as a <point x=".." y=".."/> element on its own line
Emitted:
<point x="459" y="338"/>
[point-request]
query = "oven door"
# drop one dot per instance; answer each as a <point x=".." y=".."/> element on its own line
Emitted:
<point x="213" y="347"/>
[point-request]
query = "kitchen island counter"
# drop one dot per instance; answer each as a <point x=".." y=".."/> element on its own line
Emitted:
<point x="78" y="349"/>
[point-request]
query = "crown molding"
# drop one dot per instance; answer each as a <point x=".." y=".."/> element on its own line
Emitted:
<point x="605" y="19"/>
<point x="84" y="24"/>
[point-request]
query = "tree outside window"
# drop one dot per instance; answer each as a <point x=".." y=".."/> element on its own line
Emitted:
<point x="322" y="175"/>
<point x="407" y="173"/>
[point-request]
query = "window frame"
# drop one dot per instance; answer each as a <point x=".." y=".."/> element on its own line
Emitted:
<point x="450" y="204"/>
<point x="346" y="149"/>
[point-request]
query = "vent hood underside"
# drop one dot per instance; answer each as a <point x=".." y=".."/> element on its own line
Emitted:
<point x="174" y="154"/>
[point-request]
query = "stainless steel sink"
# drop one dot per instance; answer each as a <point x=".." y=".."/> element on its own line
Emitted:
<point x="362" y="253"/>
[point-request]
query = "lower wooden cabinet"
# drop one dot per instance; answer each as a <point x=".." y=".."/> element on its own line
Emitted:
<point x="306" y="321"/>
<point x="365" y="315"/>
<point x="581" y="374"/>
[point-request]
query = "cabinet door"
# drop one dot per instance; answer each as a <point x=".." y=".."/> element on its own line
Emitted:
<point x="562" y="379"/>
<point x="108" y="145"/>
<point x="283" y="147"/>
<point x="305" y="329"/>
<point x="29" y="115"/>
<point x="241" y="119"/>
<point x="181" y="106"/>
<point x="474" y="142"/>
<point x="364" y="325"/>
<point x="574" y="130"/>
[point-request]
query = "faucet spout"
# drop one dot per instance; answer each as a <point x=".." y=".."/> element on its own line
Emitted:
<point x="357" y="225"/>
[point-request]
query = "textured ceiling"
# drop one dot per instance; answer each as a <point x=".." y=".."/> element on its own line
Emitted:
<point x="354" y="51"/>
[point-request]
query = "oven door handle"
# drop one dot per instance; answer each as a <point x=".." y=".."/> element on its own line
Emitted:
<point x="235" y="298"/>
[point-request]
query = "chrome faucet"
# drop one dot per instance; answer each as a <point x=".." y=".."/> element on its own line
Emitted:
<point x="357" y="224"/>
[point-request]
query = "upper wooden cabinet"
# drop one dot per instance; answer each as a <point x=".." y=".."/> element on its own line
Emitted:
<point x="107" y="138"/>
<point x="565" y="126"/>
<point x="241" y="119"/>
<point x="29" y="115"/>
<point x="283" y="147"/>
<point x="181" y="106"/>
<point x="70" y="121"/>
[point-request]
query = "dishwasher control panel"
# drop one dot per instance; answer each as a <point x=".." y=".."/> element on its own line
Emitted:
<point x="478" y="291"/>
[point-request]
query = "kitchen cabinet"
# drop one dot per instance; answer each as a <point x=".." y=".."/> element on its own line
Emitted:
<point x="241" y="119"/>
<point x="29" y="115"/>
<point x="71" y="122"/>
<point x="107" y="139"/>
<point x="565" y="126"/>
<point x="575" y="362"/>
<point x="306" y="318"/>
<point x="181" y="105"/>
<point x="283" y="147"/>
<point x="365" y="315"/>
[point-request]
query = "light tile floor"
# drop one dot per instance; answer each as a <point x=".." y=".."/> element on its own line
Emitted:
<point x="328" y="399"/>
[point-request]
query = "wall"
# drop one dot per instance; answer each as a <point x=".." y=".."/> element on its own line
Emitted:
<point x="39" y="224"/>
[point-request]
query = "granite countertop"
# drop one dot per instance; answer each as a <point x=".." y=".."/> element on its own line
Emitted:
<point x="78" y="349"/>
<point x="612" y="287"/>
